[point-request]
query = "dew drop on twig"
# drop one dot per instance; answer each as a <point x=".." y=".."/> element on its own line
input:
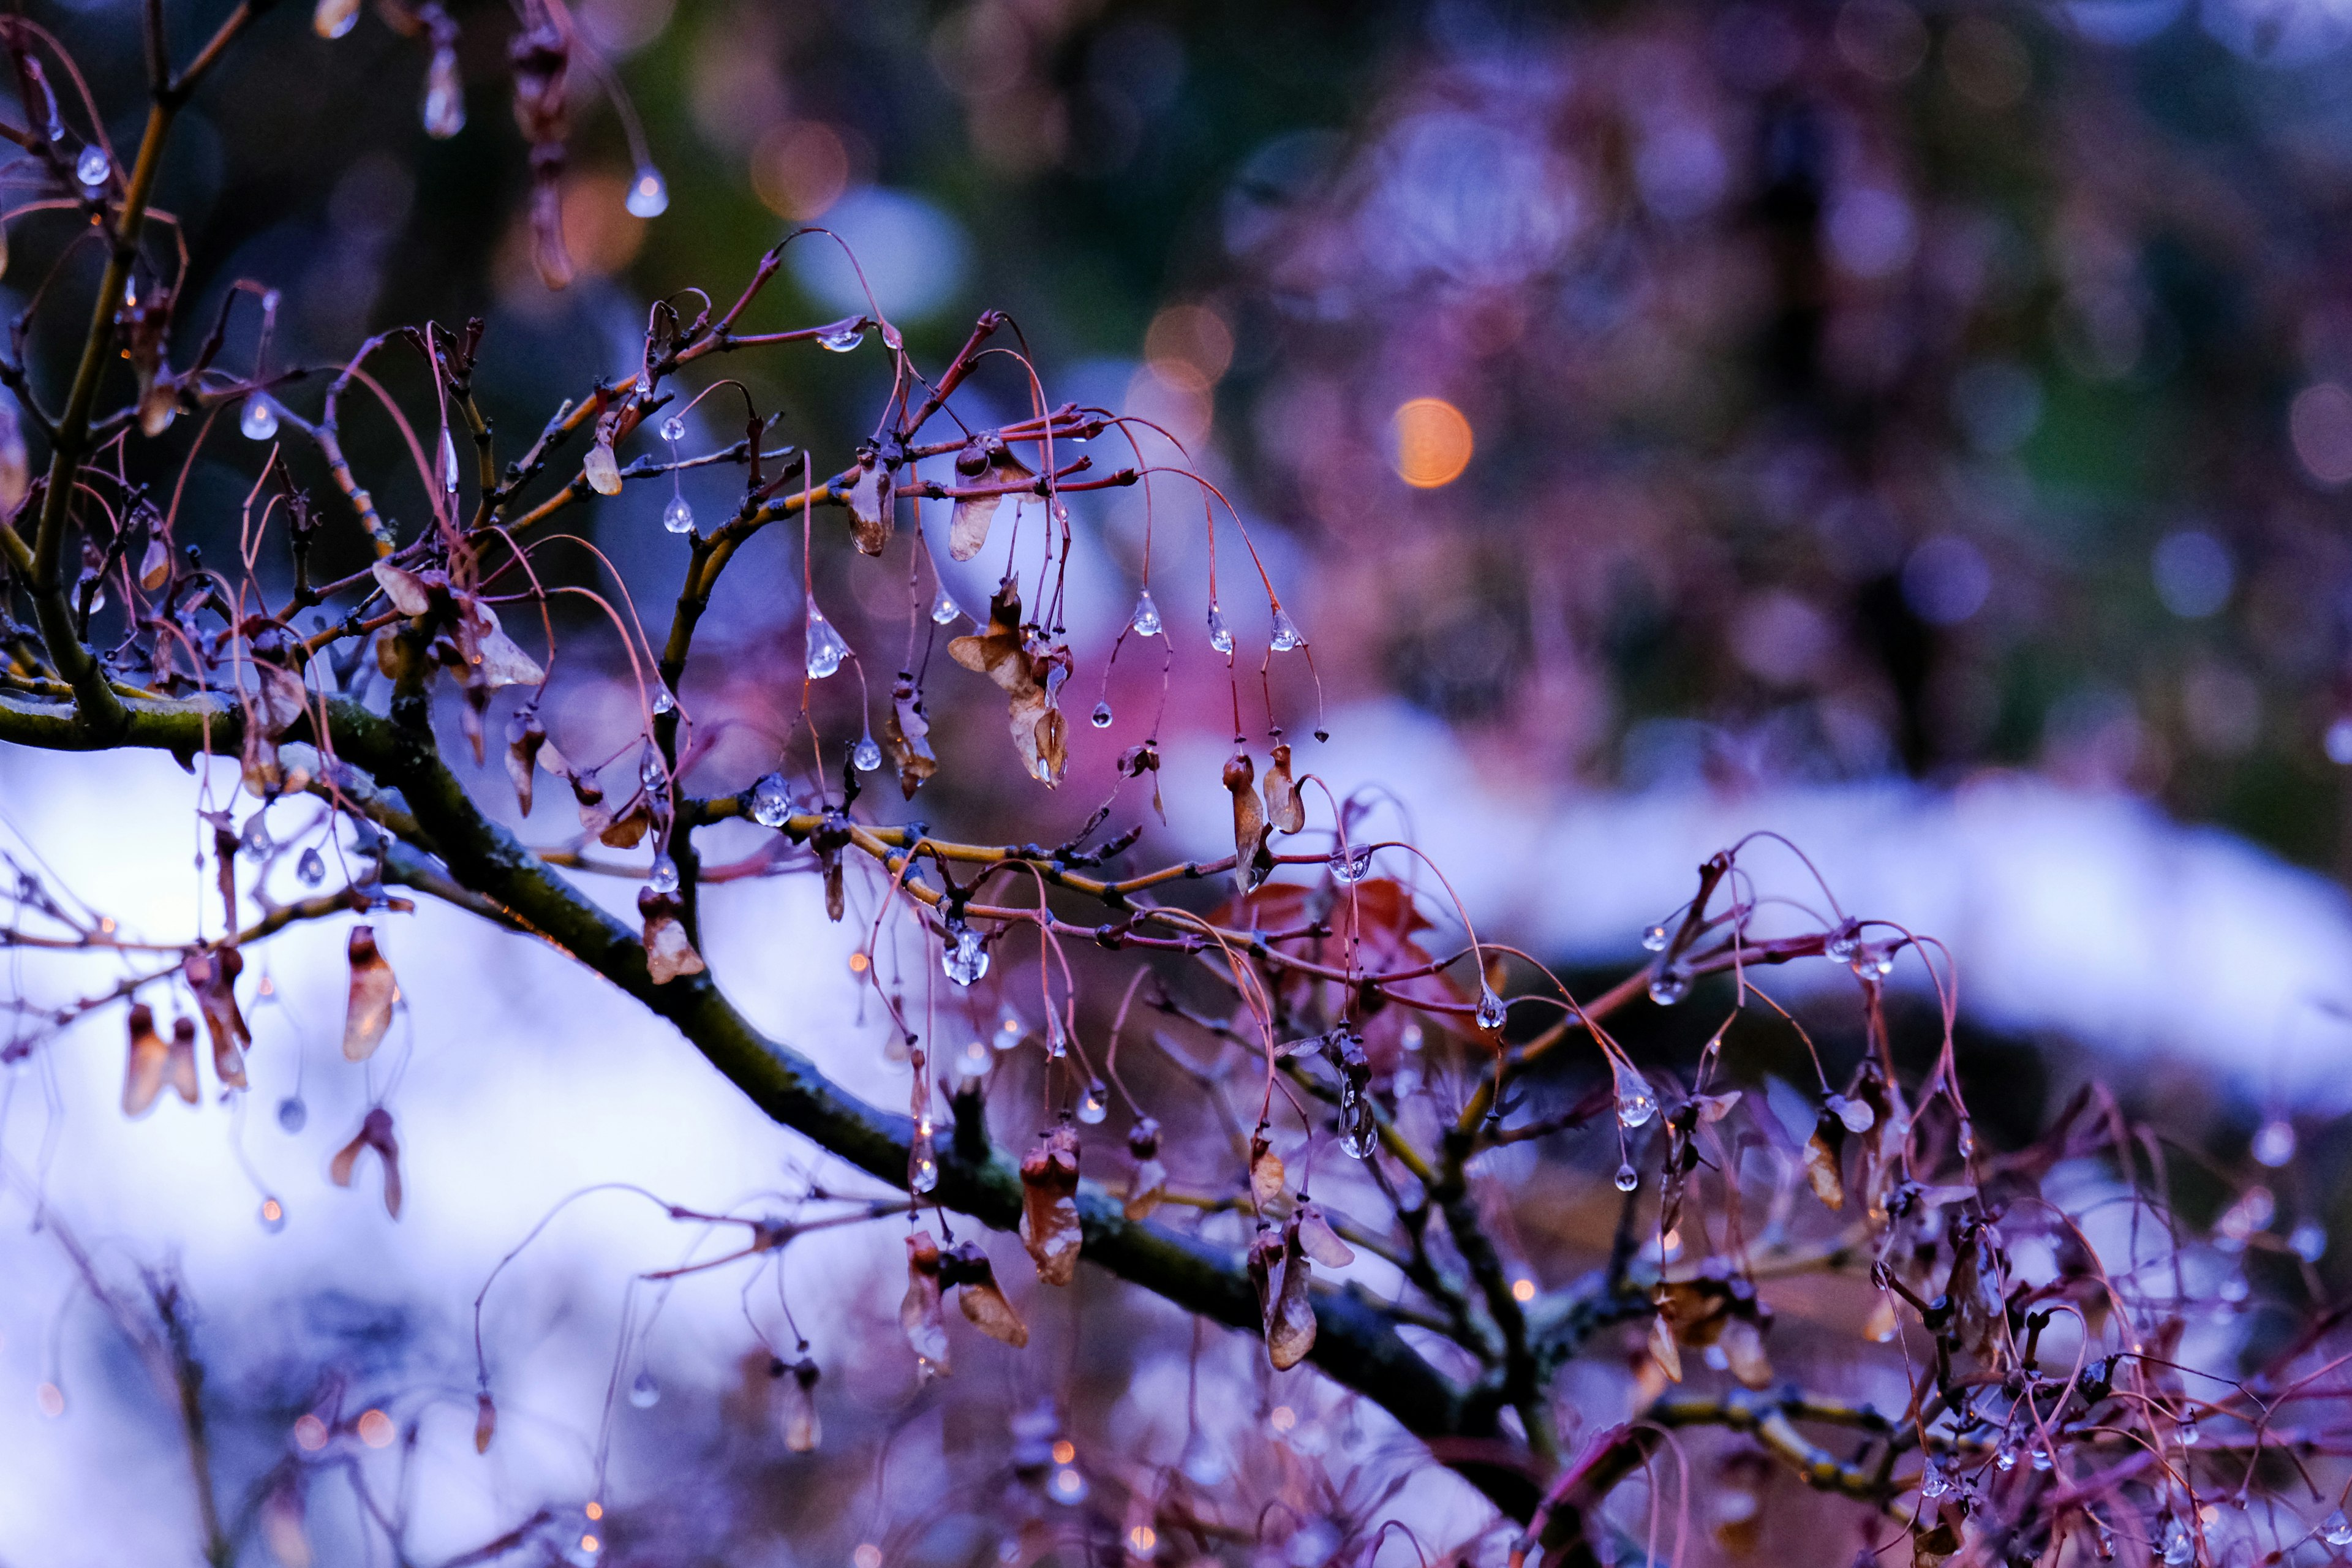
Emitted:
<point x="648" y="193"/>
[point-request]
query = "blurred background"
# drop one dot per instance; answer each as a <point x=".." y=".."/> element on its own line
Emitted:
<point x="1919" y="429"/>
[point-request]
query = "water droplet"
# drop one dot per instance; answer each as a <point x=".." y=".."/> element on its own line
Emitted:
<point x="923" y="1167"/>
<point x="255" y="840"/>
<point x="1856" y="1114"/>
<point x="945" y="611"/>
<point x="1491" y="1011"/>
<point x="272" y="1216"/>
<point x="645" y="1392"/>
<point x="663" y="877"/>
<point x="258" y="419"/>
<point x="673" y="429"/>
<point x="448" y="462"/>
<point x="292" y="1114"/>
<point x="1145" y="622"/>
<point x="1967" y="1140"/>
<point x="1636" y="1103"/>
<point x="2339" y="742"/>
<point x="2005" y="1459"/>
<point x="1626" y="1178"/>
<point x="965" y="958"/>
<point x="1220" y="636"/>
<point x="2274" y="1142"/>
<point x="2179" y="1546"/>
<point x="843" y="340"/>
<point x="1094" y="1106"/>
<point x="1286" y="635"/>
<point x="1359" y="1128"/>
<point x="2040" y="1458"/>
<point x="2188" y="1433"/>
<point x="1069" y="1487"/>
<point x="311" y="868"/>
<point x="445" y="96"/>
<point x="1057" y="1042"/>
<point x="1933" y="1482"/>
<point x="1842" y="942"/>
<point x="1009" y="1027"/>
<point x="648" y="193"/>
<point x="1350" y="862"/>
<point x="1102" y="716"/>
<point x="771" y="800"/>
<point x="664" y="702"/>
<point x="867" y="756"/>
<point x="2309" y="1241"/>
<point x="652" y="771"/>
<point x="2337" y="1529"/>
<point x="1654" y="938"/>
<point x="825" y="647"/>
<point x="93" y="166"/>
<point x="1669" y="985"/>
<point x="678" y="517"/>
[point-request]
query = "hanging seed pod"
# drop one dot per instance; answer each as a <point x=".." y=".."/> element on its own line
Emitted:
<point x="1822" y="1167"/>
<point x="919" y="1310"/>
<point x="180" y="1070"/>
<point x="869" y="502"/>
<point x="375" y="1133"/>
<point x="143" y="1077"/>
<point x="283" y="1525"/>
<point x="526" y="737"/>
<point x="1049" y="1211"/>
<point x="1249" y="821"/>
<point x="1663" y="1349"/>
<point x="212" y="977"/>
<point x="1321" y="1242"/>
<point x="1266" y="1170"/>
<point x="668" y="952"/>
<point x="486" y="1421"/>
<point x="1290" y="1331"/>
<point x="15" y="467"/>
<point x="1150" y="1184"/>
<point x="1284" y="809"/>
<point x="374" y="991"/>
<point x="974" y="1278"/>
<point x="796" y="1414"/>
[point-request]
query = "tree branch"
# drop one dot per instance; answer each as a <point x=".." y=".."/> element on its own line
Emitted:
<point x="1357" y="1341"/>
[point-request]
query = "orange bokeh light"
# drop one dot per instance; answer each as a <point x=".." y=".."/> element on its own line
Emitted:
<point x="1432" y="443"/>
<point x="800" y="169"/>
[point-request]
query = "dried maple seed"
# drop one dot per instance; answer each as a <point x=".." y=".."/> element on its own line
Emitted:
<point x="373" y="992"/>
<point x="1049" y="1210"/>
<point x="375" y="1133"/>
